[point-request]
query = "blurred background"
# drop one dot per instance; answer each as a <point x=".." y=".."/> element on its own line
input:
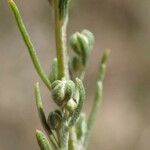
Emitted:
<point x="123" y="123"/>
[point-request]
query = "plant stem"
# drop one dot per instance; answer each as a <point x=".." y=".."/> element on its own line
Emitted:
<point x="72" y="139"/>
<point x="29" y="44"/>
<point x="64" y="136"/>
<point x="61" y="40"/>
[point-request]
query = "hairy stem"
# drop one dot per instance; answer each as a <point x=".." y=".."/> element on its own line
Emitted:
<point x="64" y="136"/>
<point x="72" y="139"/>
<point x="61" y="40"/>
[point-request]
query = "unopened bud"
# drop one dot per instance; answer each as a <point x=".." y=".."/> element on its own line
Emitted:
<point x="82" y="44"/>
<point x="90" y="37"/>
<point x="71" y="105"/>
<point x="62" y="91"/>
<point x="54" y="119"/>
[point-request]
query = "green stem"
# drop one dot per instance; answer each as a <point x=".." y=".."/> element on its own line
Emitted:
<point x="72" y="139"/>
<point x="29" y="44"/>
<point x="61" y="40"/>
<point x="98" y="96"/>
<point x="64" y="136"/>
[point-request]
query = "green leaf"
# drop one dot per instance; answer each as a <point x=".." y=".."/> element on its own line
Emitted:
<point x="29" y="44"/>
<point x="42" y="141"/>
<point x="98" y="95"/>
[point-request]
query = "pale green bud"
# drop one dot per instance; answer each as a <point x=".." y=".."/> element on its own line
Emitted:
<point x="78" y="43"/>
<point x="71" y="105"/>
<point x="90" y="37"/>
<point x="42" y="141"/>
<point x="82" y="44"/>
<point x="75" y="43"/>
<point x="54" y="120"/>
<point x="62" y="91"/>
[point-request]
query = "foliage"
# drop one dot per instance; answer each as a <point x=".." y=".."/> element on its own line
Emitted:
<point x="66" y="127"/>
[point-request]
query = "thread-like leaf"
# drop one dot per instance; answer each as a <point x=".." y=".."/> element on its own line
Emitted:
<point x="98" y="95"/>
<point x="28" y="43"/>
<point x="102" y="66"/>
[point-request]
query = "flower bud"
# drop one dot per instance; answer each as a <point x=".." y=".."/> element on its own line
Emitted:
<point x="82" y="44"/>
<point x="71" y="105"/>
<point x="42" y="140"/>
<point x="79" y="43"/>
<point x="90" y="37"/>
<point x="62" y="91"/>
<point x="54" y="119"/>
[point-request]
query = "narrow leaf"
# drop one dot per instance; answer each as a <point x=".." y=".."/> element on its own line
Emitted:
<point x="42" y="141"/>
<point x="98" y="95"/>
<point x="28" y="43"/>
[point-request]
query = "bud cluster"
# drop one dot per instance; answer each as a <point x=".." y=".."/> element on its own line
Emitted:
<point x="82" y="44"/>
<point x="62" y="91"/>
<point x="54" y="119"/>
